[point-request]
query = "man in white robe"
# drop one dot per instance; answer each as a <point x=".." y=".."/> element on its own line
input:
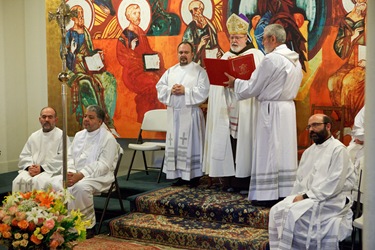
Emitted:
<point x="229" y="120"/>
<point x="274" y="83"/>
<point x="317" y="214"/>
<point x="356" y="145"/>
<point x="183" y="87"/>
<point x="91" y="165"/>
<point x="41" y="157"/>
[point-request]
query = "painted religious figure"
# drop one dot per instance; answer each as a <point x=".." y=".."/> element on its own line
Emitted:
<point x="163" y="23"/>
<point x="90" y="83"/>
<point x="132" y="50"/>
<point x="201" y="33"/>
<point x="347" y="85"/>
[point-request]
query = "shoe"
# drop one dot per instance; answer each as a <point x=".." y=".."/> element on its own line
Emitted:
<point x="244" y="192"/>
<point x="179" y="182"/>
<point x="194" y="182"/>
<point x="90" y="233"/>
<point x="265" y="203"/>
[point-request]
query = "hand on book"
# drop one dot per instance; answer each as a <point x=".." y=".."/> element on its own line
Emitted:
<point x="230" y="82"/>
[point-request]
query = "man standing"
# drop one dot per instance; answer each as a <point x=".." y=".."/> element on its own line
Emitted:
<point x="231" y="123"/>
<point x="317" y="215"/>
<point x="183" y="88"/>
<point x="41" y="156"/>
<point x="275" y="84"/>
<point x="91" y="164"/>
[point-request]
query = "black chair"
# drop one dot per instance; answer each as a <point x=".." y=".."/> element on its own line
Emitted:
<point x="358" y="215"/>
<point x="113" y="188"/>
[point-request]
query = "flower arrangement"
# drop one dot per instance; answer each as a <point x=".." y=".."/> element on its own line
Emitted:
<point x="40" y="220"/>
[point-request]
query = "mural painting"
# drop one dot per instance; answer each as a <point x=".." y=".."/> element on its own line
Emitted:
<point x="126" y="35"/>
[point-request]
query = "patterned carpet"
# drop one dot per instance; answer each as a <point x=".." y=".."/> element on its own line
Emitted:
<point x="104" y="242"/>
<point x="195" y="218"/>
<point x="206" y="204"/>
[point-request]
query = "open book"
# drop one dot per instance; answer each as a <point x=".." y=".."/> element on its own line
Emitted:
<point x="151" y="61"/>
<point x="94" y="62"/>
<point x="239" y="67"/>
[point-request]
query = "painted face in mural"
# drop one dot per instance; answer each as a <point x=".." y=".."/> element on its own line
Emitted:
<point x="185" y="54"/>
<point x="360" y="7"/>
<point x="91" y="122"/>
<point x="318" y="130"/>
<point x="196" y="9"/>
<point x="133" y="14"/>
<point x="79" y="20"/>
<point x="47" y="119"/>
<point x="237" y="42"/>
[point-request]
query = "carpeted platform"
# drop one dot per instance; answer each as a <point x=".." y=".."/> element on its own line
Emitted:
<point x="104" y="242"/>
<point x="194" y="218"/>
<point x="203" y="203"/>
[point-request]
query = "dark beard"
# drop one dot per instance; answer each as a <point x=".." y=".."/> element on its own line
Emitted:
<point x="319" y="137"/>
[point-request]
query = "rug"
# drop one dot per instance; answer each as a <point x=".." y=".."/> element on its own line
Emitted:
<point x="105" y="242"/>
<point x="188" y="233"/>
<point x="204" y="204"/>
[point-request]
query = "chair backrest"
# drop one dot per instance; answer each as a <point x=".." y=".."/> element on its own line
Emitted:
<point x="359" y="197"/>
<point x="120" y="154"/>
<point x="337" y="114"/>
<point x="155" y="120"/>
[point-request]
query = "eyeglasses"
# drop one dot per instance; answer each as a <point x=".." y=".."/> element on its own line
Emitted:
<point x="314" y="125"/>
<point x="236" y="37"/>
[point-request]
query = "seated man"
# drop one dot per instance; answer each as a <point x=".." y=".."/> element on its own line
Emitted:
<point x="41" y="156"/>
<point x="94" y="153"/>
<point x="356" y="145"/>
<point x="317" y="215"/>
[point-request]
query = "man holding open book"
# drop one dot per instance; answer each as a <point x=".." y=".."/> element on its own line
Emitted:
<point x="274" y="84"/>
<point x="230" y="123"/>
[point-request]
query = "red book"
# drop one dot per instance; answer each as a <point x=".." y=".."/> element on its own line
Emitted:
<point x="239" y="67"/>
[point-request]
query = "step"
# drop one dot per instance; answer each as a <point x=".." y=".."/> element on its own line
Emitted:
<point x="203" y="203"/>
<point x="187" y="232"/>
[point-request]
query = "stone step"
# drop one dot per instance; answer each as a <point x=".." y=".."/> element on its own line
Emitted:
<point x="187" y="232"/>
<point x="204" y="204"/>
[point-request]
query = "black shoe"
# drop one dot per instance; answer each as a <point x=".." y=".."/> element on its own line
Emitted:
<point x="180" y="182"/>
<point x="90" y="233"/>
<point x="194" y="182"/>
<point x="266" y="203"/>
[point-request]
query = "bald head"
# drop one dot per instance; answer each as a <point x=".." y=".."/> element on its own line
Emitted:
<point x="319" y="127"/>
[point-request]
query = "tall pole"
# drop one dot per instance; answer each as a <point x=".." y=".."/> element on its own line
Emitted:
<point x="62" y="16"/>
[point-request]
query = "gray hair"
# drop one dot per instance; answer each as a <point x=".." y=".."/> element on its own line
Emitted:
<point x="98" y="110"/>
<point x="276" y="30"/>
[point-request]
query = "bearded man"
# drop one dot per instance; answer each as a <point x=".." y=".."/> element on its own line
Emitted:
<point x="230" y="123"/>
<point x="317" y="214"/>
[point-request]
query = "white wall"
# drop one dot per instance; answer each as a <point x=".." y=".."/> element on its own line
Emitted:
<point x="23" y="75"/>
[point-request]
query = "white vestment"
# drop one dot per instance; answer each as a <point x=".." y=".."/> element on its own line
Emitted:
<point x="274" y="83"/>
<point x="357" y="151"/>
<point x="94" y="154"/>
<point x="43" y="149"/>
<point x="326" y="175"/>
<point x="227" y="116"/>
<point x="186" y="126"/>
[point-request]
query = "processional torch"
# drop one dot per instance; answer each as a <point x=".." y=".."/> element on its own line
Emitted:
<point x="63" y="16"/>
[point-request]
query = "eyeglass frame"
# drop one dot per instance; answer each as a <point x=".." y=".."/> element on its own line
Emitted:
<point x="314" y="125"/>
